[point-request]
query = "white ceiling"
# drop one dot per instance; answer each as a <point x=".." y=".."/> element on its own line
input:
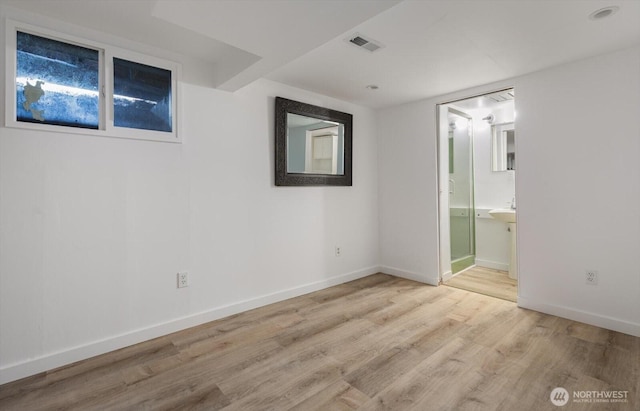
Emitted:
<point x="431" y="47"/>
<point x="436" y="47"/>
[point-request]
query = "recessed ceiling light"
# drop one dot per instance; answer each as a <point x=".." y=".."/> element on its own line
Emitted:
<point x="604" y="13"/>
<point x="372" y="87"/>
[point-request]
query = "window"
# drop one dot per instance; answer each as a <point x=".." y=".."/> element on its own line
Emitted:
<point x="57" y="82"/>
<point x="141" y="96"/>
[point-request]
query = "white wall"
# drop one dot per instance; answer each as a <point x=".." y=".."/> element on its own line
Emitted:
<point x="408" y="191"/>
<point x="578" y="182"/>
<point x="578" y="135"/>
<point x="94" y="229"/>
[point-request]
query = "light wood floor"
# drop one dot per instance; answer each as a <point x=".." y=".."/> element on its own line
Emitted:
<point x="487" y="281"/>
<point x="379" y="343"/>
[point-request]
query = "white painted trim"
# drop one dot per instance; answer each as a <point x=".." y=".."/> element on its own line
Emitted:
<point x="447" y="276"/>
<point x="443" y="243"/>
<point x="492" y="264"/>
<point x="610" y="323"/>
<point x="50" y="361"/>
<point x="397" y="272"/>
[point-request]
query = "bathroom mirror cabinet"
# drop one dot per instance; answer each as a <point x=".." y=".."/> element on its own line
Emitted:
<point x="503" y="152"/>
<point x="313" y="145"/>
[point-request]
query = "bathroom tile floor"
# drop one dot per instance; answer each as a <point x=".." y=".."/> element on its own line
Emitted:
<point x="487" y="281"/>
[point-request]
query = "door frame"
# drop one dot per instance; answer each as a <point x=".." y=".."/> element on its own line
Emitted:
<point x="442" y="182"/>
<point x="444" y="229"/>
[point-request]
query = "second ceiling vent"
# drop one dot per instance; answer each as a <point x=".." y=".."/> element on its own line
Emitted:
<point x="364" y="43"/>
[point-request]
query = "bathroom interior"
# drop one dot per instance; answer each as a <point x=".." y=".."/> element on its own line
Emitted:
<point x="477" y="164"/>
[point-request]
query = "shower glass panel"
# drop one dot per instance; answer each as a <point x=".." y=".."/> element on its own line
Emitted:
<point x="461" y="205"/>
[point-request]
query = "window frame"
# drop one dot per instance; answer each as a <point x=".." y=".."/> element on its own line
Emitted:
<point x="138" y="133"/>
<point x="106" y="52"/>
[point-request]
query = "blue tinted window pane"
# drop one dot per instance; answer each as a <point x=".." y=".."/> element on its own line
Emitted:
<point x="56" y="82"/>
<point x="142" y="96"/>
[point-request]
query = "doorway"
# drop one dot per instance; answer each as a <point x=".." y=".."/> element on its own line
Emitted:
<point x="475" y="182"/>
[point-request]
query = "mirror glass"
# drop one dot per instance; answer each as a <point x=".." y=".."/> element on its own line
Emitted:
<point x="312" y="145"/>
<point x="503" y="148"/>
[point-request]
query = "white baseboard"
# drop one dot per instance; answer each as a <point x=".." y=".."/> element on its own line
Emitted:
<point x="37" y="365"/>
<point x="492" y="264"/>
<point x="409" y="275"/>
<point x="610" y="323"/>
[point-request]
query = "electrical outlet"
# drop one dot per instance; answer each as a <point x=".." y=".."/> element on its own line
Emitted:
<point x="183" y="279"/>
<point x="591" y="277"/>
<point x="338" y="251"/>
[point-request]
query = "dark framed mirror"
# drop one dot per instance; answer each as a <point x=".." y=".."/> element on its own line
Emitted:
<point x="313" y="145"/>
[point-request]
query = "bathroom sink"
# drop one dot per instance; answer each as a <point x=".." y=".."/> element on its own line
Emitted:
<point x="504" y="214"/>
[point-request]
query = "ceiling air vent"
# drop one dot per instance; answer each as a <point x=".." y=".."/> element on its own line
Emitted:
<point x="364" y="43"/>
<point x="502" y="96"/>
